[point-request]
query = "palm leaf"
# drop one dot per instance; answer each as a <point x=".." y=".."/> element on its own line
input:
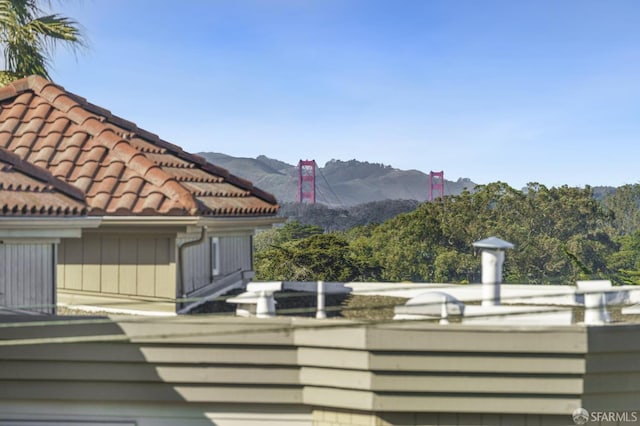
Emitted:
<point x="28" y="41"/>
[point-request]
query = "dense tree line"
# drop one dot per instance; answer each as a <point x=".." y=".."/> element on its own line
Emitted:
<point x="344" y="218"/>
<point x="561" y="235"/>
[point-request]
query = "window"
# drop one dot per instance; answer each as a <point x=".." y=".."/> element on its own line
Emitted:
<point x="215" y="256"/>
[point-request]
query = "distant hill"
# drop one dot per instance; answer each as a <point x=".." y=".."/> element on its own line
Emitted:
<point x="602" y="192"/>
<point x="338" y="183"/>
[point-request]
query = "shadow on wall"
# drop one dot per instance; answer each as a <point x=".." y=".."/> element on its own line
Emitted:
<point x="95" y="371"/>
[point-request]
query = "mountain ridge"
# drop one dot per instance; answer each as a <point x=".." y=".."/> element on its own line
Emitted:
<point x="338" y="183"/>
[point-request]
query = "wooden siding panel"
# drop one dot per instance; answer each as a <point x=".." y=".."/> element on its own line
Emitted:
<point x="232" y="375"/>
<point x="27" y="276"/>
<point x="197" y="265"/>
<point x="449" y="383"/>
<point x="613" y="362"/>
<point x="562" y="340"/>
<point x="616" y="338"/>
<point x="60" y="267"/>
<point x="87" y="390"/>
<point x="73" y="263"/>
<point x="613" y="383"/>
<point x="235" y="254"/>
<point x="611" y="402"/>
<point x="220" y="355"/>
<point x="469" y="362"/>
<point x="109" y="264"/>
<point x="12" y="296"/>
<point x="448" y="361"/>
<point x="191" y="359"/>
<point x="146" y="267"/>
<point x="464" y="419"/>
<point x="128" y="258"/>
<point x="91" y="259"/>
<point x="83" y="352"/>
<point x="21" y="275"/>
<point x="4" y="279"/>
<point x="486" y="403"/>
<point x="259" y="394"/>
<point x="124" y="413"/>
<point x="165" y="269"/>
<point x="139" y="265"/>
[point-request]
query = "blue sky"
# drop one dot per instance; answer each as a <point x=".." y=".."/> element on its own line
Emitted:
<point x="517" y="91"/>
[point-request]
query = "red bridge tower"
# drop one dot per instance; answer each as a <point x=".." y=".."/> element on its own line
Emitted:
<point x="307" y="181"/>
<point x="436" y="184"/>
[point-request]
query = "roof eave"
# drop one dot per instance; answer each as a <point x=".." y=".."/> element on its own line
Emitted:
<point x="45" y="227"/>
<point x="211" y="222"/>
<point x="240" y="223"/>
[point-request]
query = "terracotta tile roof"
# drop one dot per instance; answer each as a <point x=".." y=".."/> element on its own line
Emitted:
<point x="119" y="168"/>
<point x="29" y="190"/>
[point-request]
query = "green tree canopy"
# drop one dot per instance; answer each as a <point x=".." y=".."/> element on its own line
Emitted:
<point x="560" y="235"/>
<point x="624" y="205"/>
<point x="318" y="257"/>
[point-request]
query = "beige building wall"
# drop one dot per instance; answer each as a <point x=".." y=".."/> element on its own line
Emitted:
<point x="234" y="253"/>
<point x="119" y="264"/>
<point x="196" y="370"/>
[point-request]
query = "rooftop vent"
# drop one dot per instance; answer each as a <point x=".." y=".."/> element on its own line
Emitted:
<point x="492" y="260"/>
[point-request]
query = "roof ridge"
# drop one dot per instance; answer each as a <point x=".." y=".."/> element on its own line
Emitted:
<point x="41" y="174"/>
<point x="212" y="168"/>
<point x="74" y="107"/>
<point x="175" y="149"/>
<point x="144" y="155"/>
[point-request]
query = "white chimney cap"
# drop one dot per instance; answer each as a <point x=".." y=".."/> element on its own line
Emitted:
<point x="493" y="243"/>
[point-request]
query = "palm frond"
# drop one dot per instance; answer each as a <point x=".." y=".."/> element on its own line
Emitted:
<point x="28" y="40"/>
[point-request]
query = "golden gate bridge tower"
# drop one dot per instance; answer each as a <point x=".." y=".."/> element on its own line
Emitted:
<point x="436" y="184"/>
<point x="307" y="181"/>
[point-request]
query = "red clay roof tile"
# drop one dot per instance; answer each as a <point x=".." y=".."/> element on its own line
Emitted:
<point x="123" y="203"/>
<point x="10" y="124"/>
<point x="49" y="141"/>
<point x="18" y="111"/>
<point x="132" y="186"/>
<point x="58" y="126"/>
<point x="39" y="111"/>
<point x="33" y="126"/>
<point x="113" y="169"/>
<point x="120" y="168"/>
<point x="100" y="201"/>
<point x="150" y="202"/>
<point x="88" y="169"/>
<point x="103" y="187"/>
<point x="96" y="154"/>
<point x="61" y="170"/>
<point x="29" y="190"/>
<point x="83" y="183"/>
<point x="43" y="154"/>
<point x="69" y="154"/>
<point x="7" y="92"/>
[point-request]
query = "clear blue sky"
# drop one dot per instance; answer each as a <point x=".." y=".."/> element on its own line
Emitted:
<point x="517" y="91"/>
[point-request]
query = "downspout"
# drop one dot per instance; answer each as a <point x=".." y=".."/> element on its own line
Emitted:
<point x="181" y="248"/>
